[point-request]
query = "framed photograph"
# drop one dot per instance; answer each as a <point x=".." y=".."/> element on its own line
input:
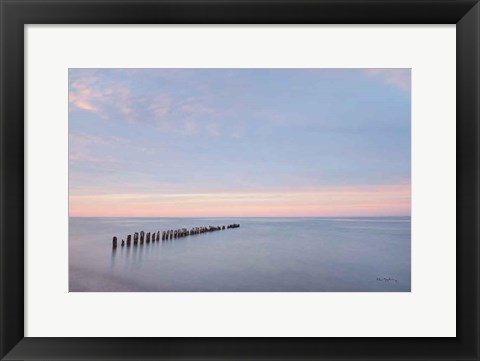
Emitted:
<point x="239" y="180"/>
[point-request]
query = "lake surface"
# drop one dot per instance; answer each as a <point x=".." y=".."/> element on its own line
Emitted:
<point x="263" y="255"/>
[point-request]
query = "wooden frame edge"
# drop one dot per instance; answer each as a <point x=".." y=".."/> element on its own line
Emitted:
<point x="14" y="14"/>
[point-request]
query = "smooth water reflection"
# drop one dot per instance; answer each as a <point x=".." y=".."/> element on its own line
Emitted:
<point x="264" y="254"/>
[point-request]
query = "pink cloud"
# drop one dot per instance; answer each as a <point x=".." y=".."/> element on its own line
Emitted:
<point x="160" y="107"/>
<point x="379" y="200"/>
<point x="399" y="78"/>
<point x="90" y="94"/>
<point x="85" y="105"/>
<point x="83" y="95"/>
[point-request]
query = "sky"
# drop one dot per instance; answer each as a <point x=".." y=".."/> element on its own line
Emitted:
<point x="239" y="142"/>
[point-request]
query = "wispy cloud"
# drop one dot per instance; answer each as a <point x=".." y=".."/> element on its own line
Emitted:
<point x="160" y="106"/>
<point x="381" y="200"/>
<point x="83" y="148"/>
<point x="196" y="106"/>
<point x="88" y="139"/>
<point x="399" y="78"/>
<point x="212" y="129"/>
<point x="93" y="94"/>
<point x="238" y="141"/>
<point x="122" y="100"/>
<point x="83" y="96"/>
<point x="82" y="158"/>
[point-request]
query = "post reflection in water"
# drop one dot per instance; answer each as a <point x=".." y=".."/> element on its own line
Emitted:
<point x="264" y="254"/>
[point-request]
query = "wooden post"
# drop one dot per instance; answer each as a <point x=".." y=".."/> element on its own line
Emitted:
<point x="169" y="234"/>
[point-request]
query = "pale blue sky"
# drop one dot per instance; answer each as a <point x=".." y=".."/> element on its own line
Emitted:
<point x="141" y="139"/>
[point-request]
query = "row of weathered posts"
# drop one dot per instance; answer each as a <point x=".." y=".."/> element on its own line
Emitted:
<point x="142" y="237"/>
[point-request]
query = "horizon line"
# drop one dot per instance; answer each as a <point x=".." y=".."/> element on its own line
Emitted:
<point x="371" y="216"/>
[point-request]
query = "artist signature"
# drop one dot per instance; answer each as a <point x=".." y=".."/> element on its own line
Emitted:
<point x="387" y="279"/>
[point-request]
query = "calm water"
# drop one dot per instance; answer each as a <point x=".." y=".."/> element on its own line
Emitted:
<point x="264" y="254"/>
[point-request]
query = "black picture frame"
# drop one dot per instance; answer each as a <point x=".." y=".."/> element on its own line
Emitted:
<point x="15" y="14"/>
